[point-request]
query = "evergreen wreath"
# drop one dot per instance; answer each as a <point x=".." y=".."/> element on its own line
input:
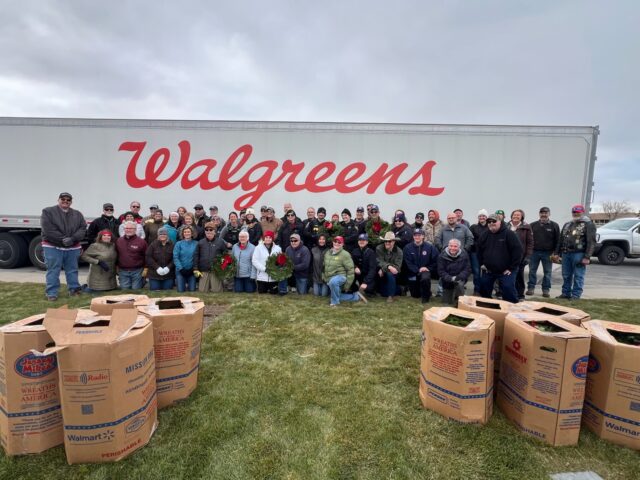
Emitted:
<point x="376" y="234"/>
<point x="224" y="266"/>
<point x="279" y="267"/>
<point x="330" y="229"/>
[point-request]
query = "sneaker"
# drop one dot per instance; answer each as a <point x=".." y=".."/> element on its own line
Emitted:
<point x="529" y="292"/>
<point x="546" y="294"/>
<point x="566" y="297"/>
<point x="52" y="298"/>
<point x="389" y="299"/>
<point x="362" y="297"/>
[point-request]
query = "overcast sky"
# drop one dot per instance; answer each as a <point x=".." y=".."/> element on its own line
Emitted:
<point x="493" y="62"/>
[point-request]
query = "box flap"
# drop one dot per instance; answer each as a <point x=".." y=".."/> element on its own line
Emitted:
<point x="33" y="323"/>
<point x="567" y="330"/>
<point x="615" y="333"/>
<point x="59" y="323"/>
<point x="65" y="330"/>
<point x="560" y="311"/>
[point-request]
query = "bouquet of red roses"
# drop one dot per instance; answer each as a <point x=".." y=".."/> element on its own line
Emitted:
<point x="224" y="266"/>
<point x="279" y="267"/>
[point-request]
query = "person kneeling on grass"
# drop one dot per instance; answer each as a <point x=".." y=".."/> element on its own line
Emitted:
<point x="183" y="254"/>
<point x="101" y="256"/>
<point x="339" y="274"/>
<point x="454" y="269"/>
<point x="206" y="252"/>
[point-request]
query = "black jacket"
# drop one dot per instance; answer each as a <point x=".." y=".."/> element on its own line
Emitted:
<point x="365" y="260"/>
<point x="415" y="257"/>
<point x="286" y="230"/>
<point x="103" y="222"/>
<point x="449" y="266"/>
<point x="500" y="251"/>
<point x="57" y="224"/>
<point x="206" y="252"/>
<point x="350" y="233"/>
<point x="404" y="234"/>
<point x="545" y="235"/>
<point x="477" y="230"/>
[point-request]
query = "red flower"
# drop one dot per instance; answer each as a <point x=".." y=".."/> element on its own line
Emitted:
<point x="226" y="261"/>
<point x="328" y="225"/>
<point x="281" y="260"/>
<point x="376" y="227"/>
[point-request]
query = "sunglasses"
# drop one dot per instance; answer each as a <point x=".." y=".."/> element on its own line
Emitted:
<point x="209" y="229"/>
<point x="293" y="240"/>
<point x="199" y="208"/>
<point x="108" y="209"/>
<point x="491" y="221"/>
<point x="290" y="215"/>
<point x="65" y="199"/>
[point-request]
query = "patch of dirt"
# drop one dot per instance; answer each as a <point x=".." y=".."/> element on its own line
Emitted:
<point x="211" y="312"/>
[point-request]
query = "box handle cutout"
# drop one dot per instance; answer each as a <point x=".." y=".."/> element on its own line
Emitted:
<point x="548" y="349"/>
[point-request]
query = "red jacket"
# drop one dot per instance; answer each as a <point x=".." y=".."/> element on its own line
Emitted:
<point x="131" y="252"/>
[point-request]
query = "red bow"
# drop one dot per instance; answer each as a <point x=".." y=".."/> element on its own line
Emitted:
<point x="328" y="225"/>
<point x="376" y="227"/>
<point x="281" y="260"/>
<point x="226" y="261"/>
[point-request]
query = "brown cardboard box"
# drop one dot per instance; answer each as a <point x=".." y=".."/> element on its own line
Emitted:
<point x="496" y="310"/>
<point x="543" y="376"/>
<point x="456" y="366"/>
<point x="30" y="417"/>
<point x="107" y="304"/>
<point x="107" y="383"/>
<point x="568" y="314"/>
<point x="612" y="400"/>
<point x="177" y="331"/>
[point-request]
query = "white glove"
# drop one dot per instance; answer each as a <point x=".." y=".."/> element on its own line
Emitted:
<point x="160" y="271"/>
<point x="165" y="270"/>
<point x="454" y="278"/>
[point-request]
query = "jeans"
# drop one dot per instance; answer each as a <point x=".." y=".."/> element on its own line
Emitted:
<point x="164" y="284"/>
<point x="302" y="285"/>
<point x="540" y="256"/>
<point x="573" y="272"/>
<point x="283" y="287"/>
<point x="187" y="283"/>
<point x="388" y="287"/>
<point x="244" y="284"/>
<point x="506" y="282"/>
<point x="520" y="280"/>
<point x="335" y="288"/>
<point x="475" y="268"/>
<point x="320" y="289"/>
<point x="131" y="279"/>
<point x="57" y="260"/>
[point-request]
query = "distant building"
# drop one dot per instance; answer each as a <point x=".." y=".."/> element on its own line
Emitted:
<point x="603" y="218"/>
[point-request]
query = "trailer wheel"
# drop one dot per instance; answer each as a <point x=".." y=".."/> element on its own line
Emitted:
<point x="611" y="255"/>
<point x="36" y="253"/>
<point x="13" y="251"/>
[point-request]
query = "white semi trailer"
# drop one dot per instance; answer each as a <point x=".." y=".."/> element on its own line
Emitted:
<point x="237" y="164"/>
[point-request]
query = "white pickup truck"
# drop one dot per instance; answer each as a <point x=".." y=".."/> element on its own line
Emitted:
<point x="618" y="240"/>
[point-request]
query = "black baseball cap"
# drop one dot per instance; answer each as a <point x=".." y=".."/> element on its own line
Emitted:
<point x="544" y="210"/>
<point x="107" y="205"/>
<point x="65" y="194"/>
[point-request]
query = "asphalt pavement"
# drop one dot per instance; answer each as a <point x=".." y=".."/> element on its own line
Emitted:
<point x="602" y="281"/>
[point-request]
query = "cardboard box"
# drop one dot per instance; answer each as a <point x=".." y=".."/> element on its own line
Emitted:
<point x="177" y="331"/>
<point x="612" y="400"/>
<point x="30" y="417"/>
<point x="568" y="314"/>
<point x="456" y="366"/>
<point x="107" y="383"/>
<point x="543" y="376"/>
<point x="496" y="310"/>
<point x="107" y="304"/>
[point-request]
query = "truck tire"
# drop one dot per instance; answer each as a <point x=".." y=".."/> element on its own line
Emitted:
<point x="13" y="251"/>
<point x="611" y="255"/>
<point x="36" y="253"/>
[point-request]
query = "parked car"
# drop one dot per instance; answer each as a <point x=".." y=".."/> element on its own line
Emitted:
<point x="618" y="240"/>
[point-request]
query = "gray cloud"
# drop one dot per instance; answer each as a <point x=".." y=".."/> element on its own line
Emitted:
<point x="496" y="62"/>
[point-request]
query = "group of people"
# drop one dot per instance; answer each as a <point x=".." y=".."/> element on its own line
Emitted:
<point x="346" y="258"/>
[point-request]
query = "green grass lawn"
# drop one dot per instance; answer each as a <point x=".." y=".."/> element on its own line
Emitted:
<point x="289" y="388"/>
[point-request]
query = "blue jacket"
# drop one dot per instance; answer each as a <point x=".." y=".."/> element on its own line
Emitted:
<point x="183" y="254"/>
<point x="416" y="257"/>
<point x="301" y="258"/>
<point x="243" y="257"/>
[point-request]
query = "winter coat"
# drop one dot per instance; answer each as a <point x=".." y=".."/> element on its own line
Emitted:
<point x="159" y="255"/>
<point x="271" y="226"/>
<point x="459" y="231"/>
<point x="301" y="258"/>
<point x="365" y="260"/>
<point x="477" y="230"/>
<point x="183" y="254"/>
<point x="57" y="224"/>
<point x="387" y="258"/>
<point x="244" y="257"/>
<point x="131" y="253"/>
<point x="286" y="231"/>
<point x="230" y="234"/>
<point x="525" y="235"/>
<point x="318" y="262"/>
<point x="151" y="230"/>
<point x="545" y="235"/>
<point x="103" y="222"/>
<point x="310" y="232"/>
<point x="577" y="236"/>
<point x="415" y="257"/>
<point x="500" y="251"/>
<point x="206" y="252"/>
<point x="172" y="232"/>
<point x="98" y="279"/>
<point x="339" y="263"/>
<point x="350" y="233"/>
<point x="405" y="235"/>
<point x="432" y="231"/>
<point x="255" y="232"/>
<point x="450" y="266"/>
<point x="259" y="260"/>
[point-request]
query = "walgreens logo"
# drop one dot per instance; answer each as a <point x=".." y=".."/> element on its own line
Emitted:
<point x="254" y="178"/>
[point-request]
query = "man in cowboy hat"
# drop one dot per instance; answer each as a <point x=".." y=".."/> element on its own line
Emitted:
<point x="389" y="257"/>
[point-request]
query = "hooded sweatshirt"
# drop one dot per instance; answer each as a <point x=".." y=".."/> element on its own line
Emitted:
<point x="500" y="251"/>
